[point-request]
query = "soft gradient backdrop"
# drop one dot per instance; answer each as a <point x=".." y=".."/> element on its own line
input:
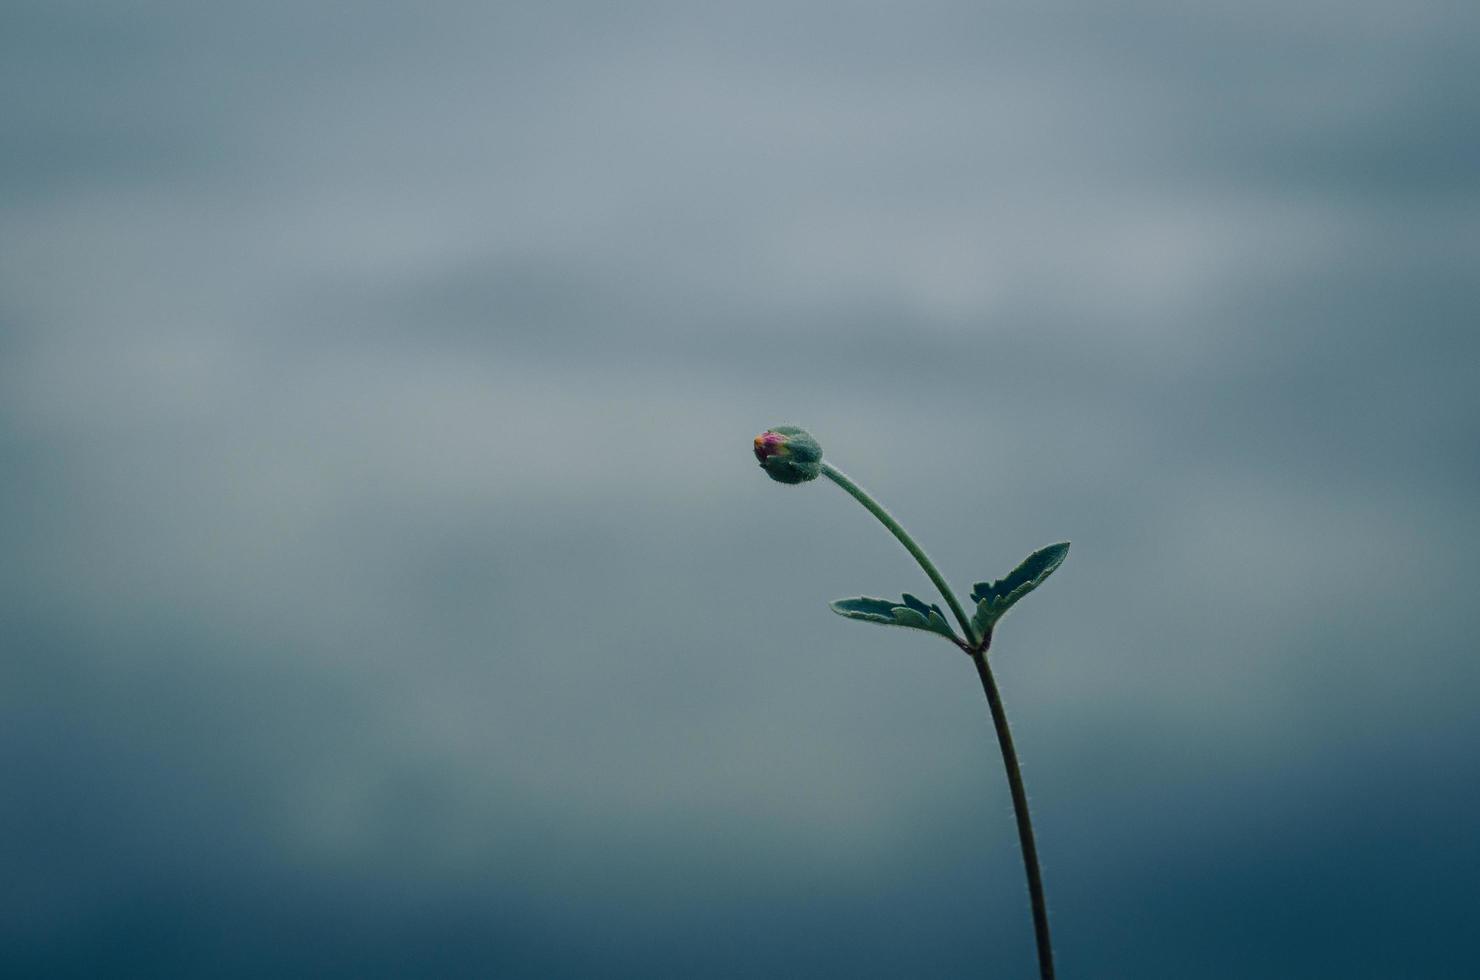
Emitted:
<point x="388" y="588"/>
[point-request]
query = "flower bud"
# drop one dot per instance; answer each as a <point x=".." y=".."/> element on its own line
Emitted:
<point x="789" y="454"/>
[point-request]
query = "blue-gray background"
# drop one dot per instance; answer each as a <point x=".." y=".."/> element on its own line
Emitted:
<point x="388" y="589"/>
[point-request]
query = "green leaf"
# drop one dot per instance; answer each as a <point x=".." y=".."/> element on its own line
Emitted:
<point x="909" y="612"/>
<point x="993" y="599"/>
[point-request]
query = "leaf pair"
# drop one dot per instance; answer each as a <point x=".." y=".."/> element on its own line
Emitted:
<point x="992" y="599"/>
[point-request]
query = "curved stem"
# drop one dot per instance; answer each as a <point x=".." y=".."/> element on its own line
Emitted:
<point x="1020" y="810"/>
<point x="874" y="507"/>
<point x="977" y="646"/>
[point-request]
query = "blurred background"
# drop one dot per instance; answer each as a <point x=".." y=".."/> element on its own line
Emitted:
<point x="389" y="589"/>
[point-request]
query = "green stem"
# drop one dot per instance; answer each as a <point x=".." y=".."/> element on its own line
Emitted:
<point x="887" y="519"/>
<point x="1020" y="810"/>
<point x="977" y="648"/>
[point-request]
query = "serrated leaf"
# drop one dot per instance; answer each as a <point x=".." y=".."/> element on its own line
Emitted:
<point x="910" y="612"/>
<point x="993" y="599"/>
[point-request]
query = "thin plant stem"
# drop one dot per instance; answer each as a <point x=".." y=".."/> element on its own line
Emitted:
<point x="977" y="646"/>
<point x="1020" y="810"/>
<point x="887" y="519"/>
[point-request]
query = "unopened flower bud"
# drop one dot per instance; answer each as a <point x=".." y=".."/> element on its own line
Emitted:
<point x="789" y="454"/>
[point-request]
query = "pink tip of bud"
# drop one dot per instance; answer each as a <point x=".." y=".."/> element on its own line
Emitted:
<point x="769" y="444"/>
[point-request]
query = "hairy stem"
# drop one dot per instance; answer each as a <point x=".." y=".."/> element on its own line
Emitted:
<point x="977" y="647"/>
<point x="1020" y="810"/>
<point x="874" y="507"/>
